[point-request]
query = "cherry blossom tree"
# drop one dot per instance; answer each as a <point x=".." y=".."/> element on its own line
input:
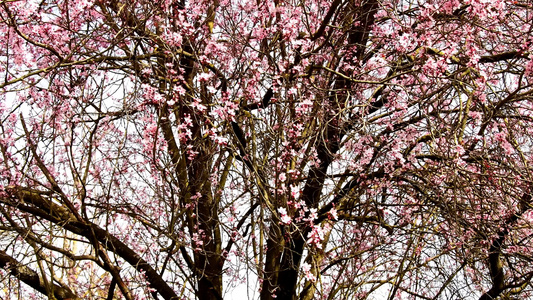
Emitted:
<point x="319" y="149"/>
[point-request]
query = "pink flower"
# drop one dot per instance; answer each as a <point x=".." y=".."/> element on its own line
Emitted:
<point x="198" y="106"/>
<point x="204" y="77"/>
<point x="312" y="215"/>
<point x="306" y="268"/>
<point x="285" y="219"/>
<point x="333" y="214"/>
<point x="316" y="237"/>
<point x="282" y="177"/>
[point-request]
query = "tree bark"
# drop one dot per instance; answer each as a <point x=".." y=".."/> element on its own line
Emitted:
<point x="32" y="278"/>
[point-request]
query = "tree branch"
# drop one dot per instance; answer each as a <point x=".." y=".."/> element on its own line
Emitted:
<point x="32" y="279"/>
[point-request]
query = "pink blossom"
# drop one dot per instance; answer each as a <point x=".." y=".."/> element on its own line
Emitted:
<point x="204" y="76"/>
<point x="282" y="177"/>
<point x="306" y="268"/>
<point x="285" y="219"/>
<point x="317" y="235"/>
<point x="333" y="213"/>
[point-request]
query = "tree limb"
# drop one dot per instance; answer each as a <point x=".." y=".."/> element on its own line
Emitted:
<point x="32" y="279"/>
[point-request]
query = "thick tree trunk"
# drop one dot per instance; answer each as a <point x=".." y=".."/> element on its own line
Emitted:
<point x="363" y="16"/>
